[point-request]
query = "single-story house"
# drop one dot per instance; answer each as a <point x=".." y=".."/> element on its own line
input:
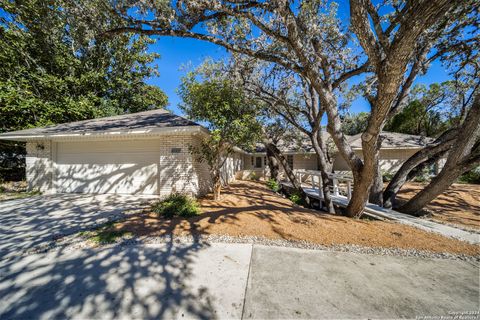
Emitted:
<point x="395" y="149"/>
<point x="148" y="153"/>
<point x="139" y="153"/>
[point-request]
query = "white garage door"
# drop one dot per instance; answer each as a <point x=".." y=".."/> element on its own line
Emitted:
<point x="129" y="167"/>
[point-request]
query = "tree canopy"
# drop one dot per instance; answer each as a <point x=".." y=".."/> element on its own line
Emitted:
<point x="390" y="42"/>
<point x="226" y="111"/>
<point x="53" y="71"/>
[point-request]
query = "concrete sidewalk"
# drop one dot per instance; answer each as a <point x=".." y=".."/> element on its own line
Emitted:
<point x="231" y="281"/>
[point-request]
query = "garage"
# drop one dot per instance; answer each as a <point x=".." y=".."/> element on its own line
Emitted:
<point x="124" y="167"/>
<point x="139" y="153"/>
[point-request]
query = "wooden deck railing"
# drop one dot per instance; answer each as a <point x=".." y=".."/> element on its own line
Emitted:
<point x="340" y="183"/>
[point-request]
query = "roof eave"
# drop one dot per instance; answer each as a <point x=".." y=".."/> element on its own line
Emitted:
<point x="107" y="134"/>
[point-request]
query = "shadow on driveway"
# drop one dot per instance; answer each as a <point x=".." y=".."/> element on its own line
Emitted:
<point x="30" y="222"/>
<point x="171" y="280"/>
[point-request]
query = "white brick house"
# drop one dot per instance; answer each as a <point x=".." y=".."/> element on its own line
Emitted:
<point x="395" y="150"/>
<point x="148" y="153"/>
<point x="141" y="153"/>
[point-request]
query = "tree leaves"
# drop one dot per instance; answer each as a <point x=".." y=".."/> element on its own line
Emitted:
<point x="53" y="72"/>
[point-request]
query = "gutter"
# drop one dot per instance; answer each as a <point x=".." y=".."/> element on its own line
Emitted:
<point x="109" y="134"/>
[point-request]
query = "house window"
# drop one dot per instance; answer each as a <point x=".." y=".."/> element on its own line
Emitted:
<point x="264" y="161"/>
<point x="290" y="161"/>
<point x="251" y="158"/>
<point x="258" y="162"/>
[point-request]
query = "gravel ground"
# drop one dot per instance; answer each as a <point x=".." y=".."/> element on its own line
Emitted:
<point x="77" y="241"/>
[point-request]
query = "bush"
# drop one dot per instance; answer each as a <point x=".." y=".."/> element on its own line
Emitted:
<point x="273" y="184"/>
<point x="422" y="176"/>
<point x="253" y="176"/>
<point x="387" y="176"/>
<point x="177" y="205"/>
<point x="296" y="198"/>
<point x="472" y="176"/>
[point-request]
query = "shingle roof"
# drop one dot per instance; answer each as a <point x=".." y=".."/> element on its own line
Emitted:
<point x="393" y="140"/>
<point x="145" y="121"/>
<point x="302" y="144"/>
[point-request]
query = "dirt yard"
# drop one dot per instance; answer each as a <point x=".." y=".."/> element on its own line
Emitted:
<point x="459" y="206"/>
<point x="250" y="209"/>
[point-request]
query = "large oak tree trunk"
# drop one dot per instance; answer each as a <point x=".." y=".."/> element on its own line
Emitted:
<point x="288" y="171"/>
<point x="272" y="164"/>
<point x="320" y="149"/>
<point x="464" y="156"/>
<point x="217" y="186"/>
<point x="376" y="190"/>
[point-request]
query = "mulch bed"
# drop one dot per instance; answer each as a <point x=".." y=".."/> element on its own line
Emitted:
<point x="250" y="209"/>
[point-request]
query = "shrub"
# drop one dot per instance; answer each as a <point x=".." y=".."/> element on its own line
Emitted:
<point x="387" y="176"/>
<point x="253" y="176"/>
<point x="422" y="176"/>
<point x="296" y="198"/>
<point x="177" y="205"/>
<point x="472" y="176"/>
<point x="273" y="184"/>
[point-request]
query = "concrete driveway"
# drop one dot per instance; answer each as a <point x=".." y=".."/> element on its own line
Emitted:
<point x="30" y="222"/>
<point x="232" y="281"/>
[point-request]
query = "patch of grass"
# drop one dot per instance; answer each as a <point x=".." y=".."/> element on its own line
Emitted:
<point x="5" y="195"/>
<point x="105" y="234"/>
<point x="177" y="205"/>
<point x="109" y="236"/>
<point x="273" y="185"/>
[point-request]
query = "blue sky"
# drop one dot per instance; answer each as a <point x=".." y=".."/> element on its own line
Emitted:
<point x="178" y="52"/>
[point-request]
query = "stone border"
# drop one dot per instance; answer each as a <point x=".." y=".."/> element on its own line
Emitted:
<point x="76" y="241"/>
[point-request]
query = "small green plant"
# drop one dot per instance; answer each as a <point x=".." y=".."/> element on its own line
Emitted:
<point x="253" y="176"/>
<point x="472" y="176"/>
<point x="273" y="185"/>
<point x="387" y="176"/>
<point x="177" y="205"/>
<point x="105" y="234"/>
<point x="422" y="176"/>
<point x="109" y="236"/>
<point x="296" y="198"/>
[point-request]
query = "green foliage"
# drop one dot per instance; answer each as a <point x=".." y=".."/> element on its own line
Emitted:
<point x="431" y="110"/>
<point x="296" y="198"/>
<point x="253" y="176"/>
<point x="472" y="176"/>
<point x="422" y="176"/>
<point x="105" y="234"/>
<point x="223" y="107"/>
<point x="273" y="185"/>
<point x="231" y="117"/>
<point x="387" y="176"/>
<point x="356" y="123"/>
<point x="51" y="72"/>
<point x="212" y="150"/>
<point x="177" y="205"/>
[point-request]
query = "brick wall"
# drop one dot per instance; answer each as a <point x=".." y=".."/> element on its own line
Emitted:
<point x="177" y="169"/>
<point x="39" y="166"/>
